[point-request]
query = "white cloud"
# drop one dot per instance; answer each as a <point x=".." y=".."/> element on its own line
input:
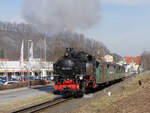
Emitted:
<point x="17" y="20"/>
<point x="126" y="2"/>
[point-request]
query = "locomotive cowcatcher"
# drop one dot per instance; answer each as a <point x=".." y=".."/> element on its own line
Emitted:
<point x="74" y="73"/>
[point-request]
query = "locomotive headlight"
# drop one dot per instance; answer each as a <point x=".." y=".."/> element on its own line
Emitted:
<point x="81" y="77"/>
<point x="52" y="78"/>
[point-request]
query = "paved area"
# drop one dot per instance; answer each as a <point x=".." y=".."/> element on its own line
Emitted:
<point x="14" y="94"/>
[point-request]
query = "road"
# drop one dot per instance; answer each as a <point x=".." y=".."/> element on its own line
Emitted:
<point x="14" y="94"/>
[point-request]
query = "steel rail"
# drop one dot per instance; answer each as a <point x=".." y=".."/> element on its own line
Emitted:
<point x="41" y="106"/>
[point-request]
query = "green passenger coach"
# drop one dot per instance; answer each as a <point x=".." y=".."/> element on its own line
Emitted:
<point x="107" y="72"/>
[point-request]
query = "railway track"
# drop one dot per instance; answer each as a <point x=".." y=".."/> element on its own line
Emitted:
<point x="45" y="105"/>
<point x="41" y="106"/>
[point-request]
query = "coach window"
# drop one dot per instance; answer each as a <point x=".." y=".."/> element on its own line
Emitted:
<point x="119" y="69"/>
<point x="107" y="66"/>
<point x="114" y="67"/>
<point x="97" y="64"/>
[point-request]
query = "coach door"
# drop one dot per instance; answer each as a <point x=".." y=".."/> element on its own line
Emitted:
<point x="98" y="73"/>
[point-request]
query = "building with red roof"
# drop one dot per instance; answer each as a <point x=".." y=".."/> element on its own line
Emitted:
<point x="133" y="63"/>
<point x="136" y="60"/>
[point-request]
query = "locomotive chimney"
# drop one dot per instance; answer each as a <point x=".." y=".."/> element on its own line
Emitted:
<point x="69" y="50"/>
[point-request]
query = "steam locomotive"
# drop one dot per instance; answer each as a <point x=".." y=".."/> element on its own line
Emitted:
<point x="77" y="72"/>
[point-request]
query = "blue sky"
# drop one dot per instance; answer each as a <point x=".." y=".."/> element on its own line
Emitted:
<point x="124" y="26"/>
<point x="10" y="10"/>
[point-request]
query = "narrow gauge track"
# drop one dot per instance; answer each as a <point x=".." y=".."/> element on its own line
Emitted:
<point x="49" y="104"/>
<point x="41" y="106"/>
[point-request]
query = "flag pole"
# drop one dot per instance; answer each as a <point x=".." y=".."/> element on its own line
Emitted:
<point x="22" y="53"/>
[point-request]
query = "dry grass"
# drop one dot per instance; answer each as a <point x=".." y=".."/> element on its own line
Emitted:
<point x="20" y="103"/>
<point x="129" y="94"/>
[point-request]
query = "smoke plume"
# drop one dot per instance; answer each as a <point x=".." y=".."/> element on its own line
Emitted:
<point x="61" y="15"/>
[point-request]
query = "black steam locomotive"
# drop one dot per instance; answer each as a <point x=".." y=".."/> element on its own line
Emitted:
<point x="70" y="71"/>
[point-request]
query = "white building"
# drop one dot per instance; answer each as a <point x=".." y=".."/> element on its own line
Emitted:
<point x="35" y="68"/>
<point x="32" y="67"/>
<point x="108" y="58"/>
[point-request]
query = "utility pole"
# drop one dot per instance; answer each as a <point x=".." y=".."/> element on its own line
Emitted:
<point x="29" y="68"/>
<point x="45" y="46"/>
<point x="29" y="45"/>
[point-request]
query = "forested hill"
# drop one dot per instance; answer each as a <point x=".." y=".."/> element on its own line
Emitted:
<point x="11" y="36"/>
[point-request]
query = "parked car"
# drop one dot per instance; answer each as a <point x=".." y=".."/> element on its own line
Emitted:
<point x="10" y="82"/>
<point x="32" y="78"/>
<point x="47" y="77"/>
<point x="13" y="79"/>
<point x="3" y="79"/>
<point x="1" y="82"/>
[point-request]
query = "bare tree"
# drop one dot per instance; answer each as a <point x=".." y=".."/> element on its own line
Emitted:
<point x="12" y="34"/>
<point x="145" y="61"/>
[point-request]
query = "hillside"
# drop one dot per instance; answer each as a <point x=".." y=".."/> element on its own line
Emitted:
<point x="10" y="42"/>
<point x="11" y="36"/>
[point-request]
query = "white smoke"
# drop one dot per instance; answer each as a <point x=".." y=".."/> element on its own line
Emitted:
<point x="62" y="15"/>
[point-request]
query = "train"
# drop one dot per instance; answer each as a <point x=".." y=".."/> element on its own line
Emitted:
<point x="77" y="72"/>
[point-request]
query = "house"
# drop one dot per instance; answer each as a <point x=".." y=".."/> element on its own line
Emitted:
<point x="108" y="58"/>
<point x="132" y="63"/>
